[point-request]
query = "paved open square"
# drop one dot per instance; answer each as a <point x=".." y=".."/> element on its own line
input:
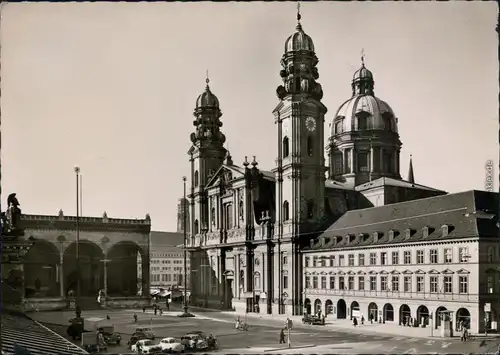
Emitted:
<point x="263" y="334"/>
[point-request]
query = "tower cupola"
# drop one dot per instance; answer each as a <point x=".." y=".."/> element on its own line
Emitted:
<point x="299" y="66"/>
<point x="207" y="99"/>
<point x="362" y="80"/>
<point x="207" y="122"/>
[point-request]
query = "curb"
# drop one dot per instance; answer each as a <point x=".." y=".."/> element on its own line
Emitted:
<point x="292" y="347"/>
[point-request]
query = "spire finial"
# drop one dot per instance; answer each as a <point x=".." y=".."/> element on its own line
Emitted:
<point x="362" y="56"/>
<point x="298" y="12"/>
<point x="411" y="174"/>
<point x="207" y="80"/>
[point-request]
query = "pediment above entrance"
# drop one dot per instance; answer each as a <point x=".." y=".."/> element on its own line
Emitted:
<point x="226" y="174"/>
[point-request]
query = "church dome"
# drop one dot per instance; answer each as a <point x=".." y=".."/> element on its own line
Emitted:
<point x="378" y="114"/>
<point x="207" y="99"/>
<point x="299" y="41"/>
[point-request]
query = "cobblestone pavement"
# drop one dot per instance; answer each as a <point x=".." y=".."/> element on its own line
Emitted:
<point x="263" y="334"/>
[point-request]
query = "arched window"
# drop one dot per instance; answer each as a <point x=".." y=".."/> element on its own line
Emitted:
<point x="256" y="281"/>
<point x="196" y="178"/>
<point x="491" y="254"/>
<point x="387" y="122"/>
<point x="362" y="121"/>
<point x="286" y="148"/>
<point x="338" y="127"/>
<point x="196" y="227"/>
<point x="337" y="164"/>
<point x="310" y="209"/>
<point x="310" y="146"/>
<point x="286" y="211"/>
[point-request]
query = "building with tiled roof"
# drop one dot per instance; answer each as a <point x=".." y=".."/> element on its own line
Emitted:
<point x="411" y="259"/>
<point x="250" y="227"/>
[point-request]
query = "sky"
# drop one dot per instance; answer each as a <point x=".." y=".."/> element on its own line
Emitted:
<point x="111" y="87"/>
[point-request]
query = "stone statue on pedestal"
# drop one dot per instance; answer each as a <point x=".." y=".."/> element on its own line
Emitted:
<point x="11" y="219"/>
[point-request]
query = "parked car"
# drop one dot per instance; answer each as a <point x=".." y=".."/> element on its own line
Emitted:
<point x="193" y="341"/>
<point x="171" y="345"/>
<point x="147" y="347"/>
<point x="145" y="332"/>
<point x="313" y="320"/>
<point x="134" y="339"/>
<point x="110" y="336"/>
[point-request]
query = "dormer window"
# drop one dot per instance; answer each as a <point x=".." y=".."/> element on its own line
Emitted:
<point x="350" y="238"/>
<point x="362" y="120"/>
<point x="444" y="230"/>
<point x="363" y="237"/>
<point x="338" y="126"/>
<point x="386" y="116"/>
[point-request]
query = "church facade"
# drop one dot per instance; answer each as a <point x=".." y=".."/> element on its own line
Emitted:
<point x="248" y="225"/>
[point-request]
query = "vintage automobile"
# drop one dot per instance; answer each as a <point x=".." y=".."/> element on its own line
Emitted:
<point x="171" y="345"/>
<point x="134" y="339"/>
<point x="145" y="332"/>
<point x="194" y="341"/>
<point x="147" y="347"/>
<point x="313" y="320"/>
<point x="110" y="336"/>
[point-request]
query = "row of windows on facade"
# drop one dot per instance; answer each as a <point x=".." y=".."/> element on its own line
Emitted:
<point x="362" y="122"/>
<point x="162" y="255"/>
<point x="166" y="268"/>
<point x="446" y="283"/>
<point x="257" y="285"/>
<point x="166" y="278"/>
<point x="309" y="146"/>
<point x="383" y="258"/>
<point x="175" y="261"/>
<point x="342" y="163"/>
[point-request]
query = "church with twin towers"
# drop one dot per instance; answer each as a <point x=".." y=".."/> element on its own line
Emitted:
<point x="248" y="225"/>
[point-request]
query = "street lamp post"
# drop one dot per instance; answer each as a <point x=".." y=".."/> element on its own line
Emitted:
<point x="78" y="310"/>
<point x="186" y="313"/>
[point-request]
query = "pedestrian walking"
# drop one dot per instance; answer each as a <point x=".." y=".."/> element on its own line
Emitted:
<point x="282" y="336"/>
<point x="362" y="320"/>
<point x="167" y="304"/>
<point x="156" y="310"/>
<point x="354" y="321"/>
<point x="108" y="317"/>
<point x="161" y="312"/>
<point x="135" y="317"/>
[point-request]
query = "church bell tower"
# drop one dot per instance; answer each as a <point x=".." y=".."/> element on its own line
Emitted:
<point x="300" y="167"/>
<point x="299" y="116"/>
<point x="206" y="155"/>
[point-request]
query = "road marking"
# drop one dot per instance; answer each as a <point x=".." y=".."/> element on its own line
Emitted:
<point x="398" y="339"/>
<point x="411" y="351"/>
<point x="430" y="342"/>
<point x="445" y="345"/>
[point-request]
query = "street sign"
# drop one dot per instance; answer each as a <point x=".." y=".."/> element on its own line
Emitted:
<point x="487" y="307"/>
